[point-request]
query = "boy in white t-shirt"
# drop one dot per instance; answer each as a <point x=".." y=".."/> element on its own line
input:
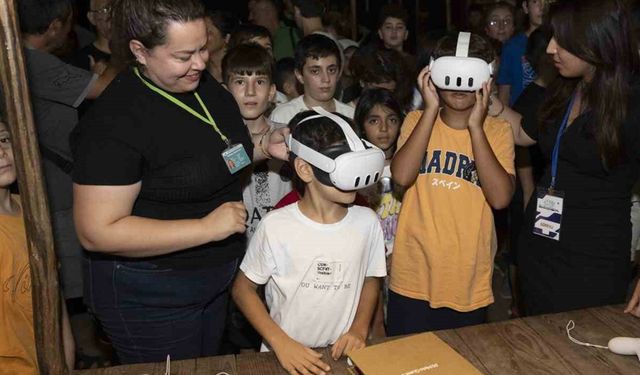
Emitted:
<point x="320" y="258"/>
<point x="247" y="72"/>
<point x="317" y="68"/>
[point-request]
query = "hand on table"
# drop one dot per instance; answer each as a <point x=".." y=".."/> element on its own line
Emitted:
<point x="346" y="343"/>
<point x="298" y="359"/>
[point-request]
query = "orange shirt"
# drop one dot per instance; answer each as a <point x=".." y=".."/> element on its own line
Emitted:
<point x="445" y="242"/>
<point x="17" y="341"/>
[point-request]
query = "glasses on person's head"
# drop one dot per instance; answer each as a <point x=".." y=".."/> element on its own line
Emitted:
<point x="503" y="22"/>
<point x="103" y="12"/>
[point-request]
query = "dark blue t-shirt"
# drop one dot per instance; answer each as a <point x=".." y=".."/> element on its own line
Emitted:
<point x="515" y="70"/>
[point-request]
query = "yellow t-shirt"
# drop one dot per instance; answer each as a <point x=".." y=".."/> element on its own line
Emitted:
<point x="17" y="341"/>
<point x="445" y="242"/>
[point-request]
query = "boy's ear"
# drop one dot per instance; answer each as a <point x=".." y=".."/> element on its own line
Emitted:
<point x="272" y="92"/>
<point x="406" y="34"/>
<point x="299" y="76"/>
<point x="524" y="7"/>
<point x="303" y="170"/>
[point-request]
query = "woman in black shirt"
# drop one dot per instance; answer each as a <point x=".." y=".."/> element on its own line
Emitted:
<point x="574" y="249"/>
<point x="157" y="196"/>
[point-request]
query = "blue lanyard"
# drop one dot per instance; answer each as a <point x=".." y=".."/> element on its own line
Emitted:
<point x="556" y="148"/>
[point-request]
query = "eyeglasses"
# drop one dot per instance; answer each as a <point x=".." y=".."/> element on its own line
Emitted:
<point x="505" y="22"/>
<point x="106" y="11"/>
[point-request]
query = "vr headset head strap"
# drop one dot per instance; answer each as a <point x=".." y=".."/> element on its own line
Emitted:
<point x="318" y="160"/>
<point x="462" y="47"/>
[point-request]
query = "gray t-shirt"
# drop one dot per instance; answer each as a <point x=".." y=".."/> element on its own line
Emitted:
<point x="57" y="89"/>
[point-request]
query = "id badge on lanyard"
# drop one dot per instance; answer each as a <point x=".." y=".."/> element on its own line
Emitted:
<point x="549" y="202"/>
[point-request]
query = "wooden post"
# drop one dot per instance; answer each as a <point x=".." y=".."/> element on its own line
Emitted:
<point x="354" y="21"/>
<point x="44" y="276"/>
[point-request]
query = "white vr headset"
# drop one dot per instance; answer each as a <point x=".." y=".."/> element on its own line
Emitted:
<point x="460" y="72"/>
<point x="359" y="167"/>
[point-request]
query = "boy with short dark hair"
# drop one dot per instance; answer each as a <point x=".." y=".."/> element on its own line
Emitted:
<point x="317" y="68"/>
<point x="320" y="258"/>
<point x="250" y="33"/>
<point x="392" y="27"/>
<point x="457" y="164"/>
<point x="247" y="70"/>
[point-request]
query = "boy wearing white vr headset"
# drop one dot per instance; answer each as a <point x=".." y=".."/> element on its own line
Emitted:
<point x="457" y="165"/>
<point x="321" y="258"/>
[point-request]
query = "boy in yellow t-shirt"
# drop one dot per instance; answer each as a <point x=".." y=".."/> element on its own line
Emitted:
<point x="17" y="342"/>
<point x="457" y="165"/>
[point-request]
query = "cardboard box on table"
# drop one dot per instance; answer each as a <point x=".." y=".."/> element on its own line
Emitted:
<point x="423" y="354"/>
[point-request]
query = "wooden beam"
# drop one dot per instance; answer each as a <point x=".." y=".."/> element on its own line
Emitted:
<point x="44" y="276"/>
<point x="354" y="20"/>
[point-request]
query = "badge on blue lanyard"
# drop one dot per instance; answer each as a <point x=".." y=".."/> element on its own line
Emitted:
<point x="235" y="156"/>
<point x="550" y="200"/>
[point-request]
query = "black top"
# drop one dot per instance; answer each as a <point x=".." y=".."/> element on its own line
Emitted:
<point x="133" y="134"/>
<point x="589" y="265"/>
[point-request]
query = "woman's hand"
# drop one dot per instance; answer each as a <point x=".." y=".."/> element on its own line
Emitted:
<point x="428" y="90"/>
<point x="229" y="218"/>
<point x="479" y="111"/>
<point x="277" y="147"/>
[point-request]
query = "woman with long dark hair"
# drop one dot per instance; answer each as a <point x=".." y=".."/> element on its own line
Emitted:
<point x="574" y="249"/>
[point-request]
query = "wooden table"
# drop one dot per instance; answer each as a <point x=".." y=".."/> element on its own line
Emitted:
<point x="534" y="345"/>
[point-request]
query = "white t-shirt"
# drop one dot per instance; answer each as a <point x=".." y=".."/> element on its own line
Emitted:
<point x="285" y="112"/>
<point x="264" y="188"/>
<point x="314" y="272"/>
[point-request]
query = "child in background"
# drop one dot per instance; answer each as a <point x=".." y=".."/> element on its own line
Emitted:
<point x="285" y="78"/>
<point x="320" y="258"/>
<point x="250" y="33"/>
<point x="17" y="346"/>
<point x="456" y="164"/>
<point x="500" y="22"/>
<point x="318" y="65"/>
<point x="377" y="119"/>
<point x="247" y="70"/>
<point x="515" y="72"/>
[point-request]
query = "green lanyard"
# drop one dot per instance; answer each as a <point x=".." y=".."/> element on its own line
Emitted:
<point x="208" y="120"/>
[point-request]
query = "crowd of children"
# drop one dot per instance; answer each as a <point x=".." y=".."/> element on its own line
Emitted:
<point x="194" y="207"/>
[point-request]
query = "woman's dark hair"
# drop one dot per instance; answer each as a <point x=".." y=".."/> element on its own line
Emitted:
<point x="598" y="32"/>
<point x="371" y="98"/>
<point x="320" y="134"/>
<point x="245" y="32"/>
<point x="247" y="59"/>
<point x="147" y="21"/>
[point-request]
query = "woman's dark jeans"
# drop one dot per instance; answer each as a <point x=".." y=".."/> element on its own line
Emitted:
<point x="149" y="312"/>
